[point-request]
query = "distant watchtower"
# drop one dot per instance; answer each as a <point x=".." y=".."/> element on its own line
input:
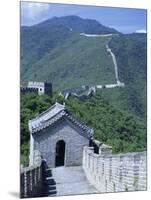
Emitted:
<point x="43" y="87"/>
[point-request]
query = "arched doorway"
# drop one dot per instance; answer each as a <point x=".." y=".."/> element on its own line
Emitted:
<point x="60" y="153"/>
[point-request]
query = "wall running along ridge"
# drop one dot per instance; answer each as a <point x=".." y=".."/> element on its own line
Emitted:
<point x="115" y="173"/>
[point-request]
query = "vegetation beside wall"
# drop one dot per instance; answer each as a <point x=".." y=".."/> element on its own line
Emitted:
<point x="124" y="131"/>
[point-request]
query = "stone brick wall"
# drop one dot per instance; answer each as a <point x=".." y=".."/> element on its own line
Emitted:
<point x="115" y="173"/>
<point x="25" y="90"/>
<point x="32" y="178"/>
<point x="45" y="141"/>
<point x="32" y="181"/>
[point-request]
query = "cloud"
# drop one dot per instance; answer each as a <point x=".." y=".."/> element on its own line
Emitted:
<point x="33" y="10"/>
<point x="140" y="31"/>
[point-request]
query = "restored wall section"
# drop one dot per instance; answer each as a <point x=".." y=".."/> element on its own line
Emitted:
<point x="115" y="173"/>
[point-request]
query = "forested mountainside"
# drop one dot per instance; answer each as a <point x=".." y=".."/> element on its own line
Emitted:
<point x="131" y="54"/>
<point x="70" y="52"/>
<point x="57" y="52"/>
<point x="54" y="52"/>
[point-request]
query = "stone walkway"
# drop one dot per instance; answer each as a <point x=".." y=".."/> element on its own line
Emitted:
<point x="71" y="181"/>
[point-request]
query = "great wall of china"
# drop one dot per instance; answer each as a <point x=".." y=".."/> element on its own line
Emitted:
<point x="89" y="89"/>
<point x="104" y="172"/>
<point x="100" y="171"/>
<point x="115" y="172"/>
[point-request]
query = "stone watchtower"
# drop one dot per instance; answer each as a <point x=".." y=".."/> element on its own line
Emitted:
<point x="59" y="137"/>
<point x="43" y="87"/>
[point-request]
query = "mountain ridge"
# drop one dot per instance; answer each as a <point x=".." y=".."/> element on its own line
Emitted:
<point x="77" y="24"/>
<point x="67" y="59"/>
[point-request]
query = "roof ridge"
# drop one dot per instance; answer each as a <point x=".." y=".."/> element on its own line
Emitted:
<point x="78" y="120"/>
<point x="44" y="120"/>
<point x="46" y="111"/>
<point x="60" y="114"/>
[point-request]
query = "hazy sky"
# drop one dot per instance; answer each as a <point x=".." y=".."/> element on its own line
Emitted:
<point x="122" y="19"/>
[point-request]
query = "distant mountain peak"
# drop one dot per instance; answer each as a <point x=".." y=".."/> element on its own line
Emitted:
<point x="77" y="24"/>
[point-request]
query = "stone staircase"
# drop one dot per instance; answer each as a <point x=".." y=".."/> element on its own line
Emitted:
<point x="50" y="184"/>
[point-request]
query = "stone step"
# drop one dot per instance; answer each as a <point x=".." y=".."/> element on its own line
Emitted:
<point x="51" y="187"/>
<point x="48" y="173"/>
<point x="50" y="181"/>
<point x="48" y="169"/>
<point x="49" y="178"/>
<point x="52" y="192"/>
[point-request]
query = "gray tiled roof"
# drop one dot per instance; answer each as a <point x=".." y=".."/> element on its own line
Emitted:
<point x="52" y="115"/>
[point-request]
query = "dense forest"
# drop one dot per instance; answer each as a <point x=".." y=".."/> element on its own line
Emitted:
<point x="113" y="126"/>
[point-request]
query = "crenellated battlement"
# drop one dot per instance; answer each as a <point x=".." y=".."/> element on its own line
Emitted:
<point x="115" y="172"/>
<point x="40" y="88"/>
<point x="25" y="90"/>
<point x="35" y="84"/>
